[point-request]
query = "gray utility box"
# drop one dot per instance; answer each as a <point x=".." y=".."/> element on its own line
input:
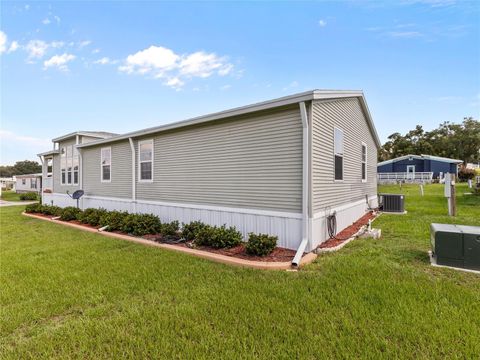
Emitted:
<point x="456" y="245"/>
<point x="392" y="202"/>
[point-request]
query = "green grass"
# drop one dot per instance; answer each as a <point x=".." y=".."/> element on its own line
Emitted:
<point x="10" y="196"/>
<point x="71" y="294"/>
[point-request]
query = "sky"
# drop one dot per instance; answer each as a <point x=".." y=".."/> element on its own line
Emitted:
<point x="123" y="66"/>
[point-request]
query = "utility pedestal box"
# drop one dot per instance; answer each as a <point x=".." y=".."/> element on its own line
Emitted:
<point x="456" y="245"/>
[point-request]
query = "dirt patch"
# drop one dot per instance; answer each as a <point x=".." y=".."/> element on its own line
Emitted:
<point x="82" y="224"/>
<point x="348" y="232"/>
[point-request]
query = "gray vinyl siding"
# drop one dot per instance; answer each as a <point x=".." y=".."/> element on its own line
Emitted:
<point x="252" y="161"/>
<point x="57" y="186"/>
<point x="121" y="171"/>
<point x="346" y="114"/>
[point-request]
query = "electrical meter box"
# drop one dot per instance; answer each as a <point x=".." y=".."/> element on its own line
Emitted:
<point x="456" y="245"/>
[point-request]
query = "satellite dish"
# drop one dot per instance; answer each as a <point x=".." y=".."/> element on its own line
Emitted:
<point x="77" y="194"/>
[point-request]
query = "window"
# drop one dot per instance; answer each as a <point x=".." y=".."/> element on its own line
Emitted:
<point x="364" y="162"/>
<point x="33" y="183"/>
<point x="75" y="165"/>
<point x="338" y="153"/>
<point x="24" y="181"/>
<point x="145" y="155"/>
<point x="63" y="165"/>
<point x="69" y="165"/>
<point x="106" y="163"/>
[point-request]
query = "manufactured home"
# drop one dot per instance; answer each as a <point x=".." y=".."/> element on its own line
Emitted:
<point x="28" y="183"/>
<point x="416" y="168"/>
<point x="277" y="167"/>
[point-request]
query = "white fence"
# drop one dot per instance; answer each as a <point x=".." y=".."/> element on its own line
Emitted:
<point x="416" y="177"/>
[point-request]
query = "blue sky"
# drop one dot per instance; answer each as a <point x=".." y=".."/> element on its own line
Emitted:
<point x="124" y="66"/>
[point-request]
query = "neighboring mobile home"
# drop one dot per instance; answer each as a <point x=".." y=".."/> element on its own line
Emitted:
<point x="416" y="168"/>
<point x="277" y="167"/>
<point x="28" y="183"/>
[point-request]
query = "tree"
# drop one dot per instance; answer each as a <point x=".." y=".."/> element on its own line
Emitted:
<point x="458" y="141"/>
<point x="20" y="168"/>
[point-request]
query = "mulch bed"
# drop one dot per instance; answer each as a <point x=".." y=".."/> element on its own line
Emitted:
<point x="348" y="232"/>
<point x="278" y="254"/>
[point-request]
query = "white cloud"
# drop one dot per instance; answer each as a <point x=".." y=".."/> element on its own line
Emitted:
<point x="155" y="58"/>
<point x="57" y="19"/>
<point x="59" y="61"/>
<point x="225" y="87"/>
<point x="36" y="48"/>
<point x="3" y="42"/>
<point x="27" y="7"/>
<point x="13" y="46"/>
<point x="203" y="65"/>
<point x="84" y="43"/>
<point x="95" y="51"/>
<point x="103" y="61"/>
<point x="175" y="83"/>
<point x="405" y="34"/>
<point x="163" y="63"/>
<point x="322" y="23"/>
<point x="6" y="135"/>
<point x="46" y="21"/>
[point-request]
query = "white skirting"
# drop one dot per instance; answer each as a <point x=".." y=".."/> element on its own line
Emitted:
<point x="346" y="215"/>
<point x="287" y="226"/>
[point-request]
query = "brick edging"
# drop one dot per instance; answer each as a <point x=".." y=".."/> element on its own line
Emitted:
<point x="306" y="259"/>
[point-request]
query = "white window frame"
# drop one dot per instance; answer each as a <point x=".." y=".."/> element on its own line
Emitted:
<point x="150" y="141"/>
<point x="364" y="180"/>
<point x="339" y="154"/>
<point x="63" y="169"/>
<point x="24" y="181"/>
<point x="101" y="164"/>
<point x="68" y="153"/>
<point x="75" y="154"/>
<point x="33" y="181"/>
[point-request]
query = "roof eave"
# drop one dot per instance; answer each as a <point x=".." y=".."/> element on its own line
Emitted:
<point x="265" y="105"/>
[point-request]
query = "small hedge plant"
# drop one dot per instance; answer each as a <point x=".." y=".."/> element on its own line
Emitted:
<point x="141" y="224"/>
<point x="219" y="237"/>
<point x="51" y="210"/>
<point x="190" y="231"/>
<point x="70" y="213"/>
<point x="91" y="216"/>
<point x="113" y="219"/>
<point x="260" y="244"/>
<point x="170" y="229"/>
<point x="33" y="208"/>
<point x="29" y="196"/>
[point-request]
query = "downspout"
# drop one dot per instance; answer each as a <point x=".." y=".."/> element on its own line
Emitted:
<point x="134" y="190"/>
<point x="305" y="185"/>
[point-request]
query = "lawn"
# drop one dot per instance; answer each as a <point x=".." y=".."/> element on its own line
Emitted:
<point x="10" y="196"/>
<point x="72" y="294"/>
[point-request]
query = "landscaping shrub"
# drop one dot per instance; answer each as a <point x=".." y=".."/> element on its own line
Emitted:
<point x="52" y="210"/>
<point x="91" y="216"/>
<point x="260" y="244"/>
<point x="190" y="231"/>
<point x="113" y="219"/>
<point x="29" y="196"/>
<point x="141" y="224"/>
<point x="219" y="237"/>
<point x="170" y="229"/>
<point x="70" y="213"/>
<point x="33" y="208"/>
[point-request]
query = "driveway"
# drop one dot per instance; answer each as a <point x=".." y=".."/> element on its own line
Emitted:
<point x="15" y="203"/>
